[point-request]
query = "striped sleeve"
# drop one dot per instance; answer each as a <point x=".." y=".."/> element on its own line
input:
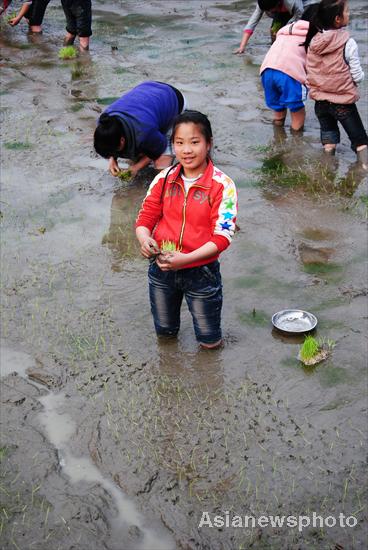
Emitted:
<point x="224" y="211"/>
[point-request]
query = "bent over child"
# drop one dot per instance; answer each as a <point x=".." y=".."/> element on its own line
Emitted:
<point x="33" y="12"/>
<point x="135" y="126"/>
<point x="283" y="72"/>
<point x="193" y="205"/>
<point x="280" y="11"/>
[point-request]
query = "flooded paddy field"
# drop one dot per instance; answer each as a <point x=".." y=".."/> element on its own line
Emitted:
<point x="111" y="439"/>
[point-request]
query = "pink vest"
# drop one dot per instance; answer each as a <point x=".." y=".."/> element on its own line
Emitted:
<point x="328" y="74"/>
<point x="286" y="53"/>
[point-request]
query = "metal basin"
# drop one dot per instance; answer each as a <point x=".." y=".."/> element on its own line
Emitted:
<point x="294" y="321"/>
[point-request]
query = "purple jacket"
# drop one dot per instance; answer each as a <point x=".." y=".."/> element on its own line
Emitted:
<point x="146" y="112"/>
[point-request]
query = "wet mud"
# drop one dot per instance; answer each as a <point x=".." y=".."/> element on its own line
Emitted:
<point x="111" y="438"/>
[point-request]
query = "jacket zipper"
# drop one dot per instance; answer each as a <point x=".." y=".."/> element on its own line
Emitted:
<point x="184" y="211"/>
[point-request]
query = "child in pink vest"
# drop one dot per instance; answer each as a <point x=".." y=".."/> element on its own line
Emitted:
<point x="333" y="72"/>
<point x="283" y="72"/>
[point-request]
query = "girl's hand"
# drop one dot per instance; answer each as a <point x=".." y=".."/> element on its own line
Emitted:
<point x="14" y="21"/>
<point x="149" y="247"/>
<point x="170" y="261"/>
<point x="113" y="167"/>
<point x="133" y="170"/>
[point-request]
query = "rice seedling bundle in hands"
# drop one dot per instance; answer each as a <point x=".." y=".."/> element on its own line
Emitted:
<point x="125" y="175"/>
<point x="168" y="246"/>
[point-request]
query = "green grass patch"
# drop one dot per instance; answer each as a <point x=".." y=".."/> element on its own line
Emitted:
<point x="282" y="174"/>
<point x="247" y="282"/>
<point x="319" y="267"/>
<point x="17" y="145"/>
<point x="257" y="318"/>
<point x="120" y="70"/>
<point x="3" y="453"/>
<point x="106" y="100"/>
<point x="77" y="107"/>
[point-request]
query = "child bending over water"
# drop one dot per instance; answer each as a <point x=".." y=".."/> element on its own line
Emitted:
<point x="280" y="11"/>
<point x="33" y="12"/>
<point x="283" y="72"/>
<point x="333" y="72"/>
<point x="135" y="126"/>
<point x="194" y="205"/>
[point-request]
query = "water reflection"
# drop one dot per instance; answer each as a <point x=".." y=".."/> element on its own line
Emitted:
<point x="120" y="238"/>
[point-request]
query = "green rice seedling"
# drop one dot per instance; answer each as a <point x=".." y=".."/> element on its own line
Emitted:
<point x="68" y="52"/>
<point x="309" y="348"/>
<point x="326" y="343"/>
<point x="11" y="16"/>
<point x="314" y="351"/>
<point x="168" y="246"/>
<point x="125" y="175"/>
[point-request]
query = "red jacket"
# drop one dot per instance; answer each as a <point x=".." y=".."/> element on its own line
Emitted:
<point x="207" y="213"/>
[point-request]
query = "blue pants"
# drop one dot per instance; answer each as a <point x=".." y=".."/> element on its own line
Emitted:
<point x="282" y="91"/>
<point x="202" y="289"/>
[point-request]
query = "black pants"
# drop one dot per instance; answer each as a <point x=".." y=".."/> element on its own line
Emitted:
<point x="37" y="11"/>
<point x="329" y="114"/>
<point x="78" y="15"/>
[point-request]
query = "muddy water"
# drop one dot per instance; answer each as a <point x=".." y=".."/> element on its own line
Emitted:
<point x="111" y="439"/>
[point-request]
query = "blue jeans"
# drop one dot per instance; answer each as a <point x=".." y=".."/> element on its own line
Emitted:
<point x="202" y="289"/>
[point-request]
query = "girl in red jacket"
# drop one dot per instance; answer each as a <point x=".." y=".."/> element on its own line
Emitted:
<point x="193" y="205"/>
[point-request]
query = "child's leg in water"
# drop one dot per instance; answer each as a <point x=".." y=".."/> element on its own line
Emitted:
<point x="362" y="154"/>
<point x="166" y="299"/>
<point x="297" y="119"/>
<point x="203" y="293"/>
<point x="350" y="120"/>
<point x="69" y="39"/>
<point x="279" y="117"/>
<point x="330" y="133"/>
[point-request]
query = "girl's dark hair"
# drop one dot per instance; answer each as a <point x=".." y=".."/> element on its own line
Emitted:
<point x="309" y="12"/>
<point x="267" y="5"/>
<point x="196" y="118"/>
<point x="107" y="136"/>
<point x="324" y="18"/>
